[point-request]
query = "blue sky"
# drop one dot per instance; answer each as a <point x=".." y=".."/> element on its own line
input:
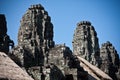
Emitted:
<point x="65" y="14"/>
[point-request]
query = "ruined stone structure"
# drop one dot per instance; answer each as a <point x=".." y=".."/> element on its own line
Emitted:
<point x="37" y="53"/>
<point x="36" y="33"/>
<point x="110" y="59"/>
<point x="38" y="56"/>
<point x="9" y="70"/>
<point x="5" y="40"/>
<point x="85" y="43"/>
<point x="69" y="64"/>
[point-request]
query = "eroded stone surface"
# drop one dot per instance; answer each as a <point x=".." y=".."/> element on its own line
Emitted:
<point x="110" y="59"/>
<point x="11" y="71"/>
<point x="85" y="43"/>
<point x="37" y="52"/>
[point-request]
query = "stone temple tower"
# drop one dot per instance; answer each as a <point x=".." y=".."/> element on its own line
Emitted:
<point x="85" y="42"/>
<point x="110" y="60"/>
<point x="36" y="28"/>
<point x="35" y="37"/>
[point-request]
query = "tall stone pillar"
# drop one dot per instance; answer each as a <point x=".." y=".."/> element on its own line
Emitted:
<point x="5" y="41"/>
<point x="85" y="42"/>
<point x="110" y="59"/>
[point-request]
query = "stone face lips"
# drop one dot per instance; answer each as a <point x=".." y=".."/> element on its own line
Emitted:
<point x="110" y="59"/>
<point x="85" y="42"/>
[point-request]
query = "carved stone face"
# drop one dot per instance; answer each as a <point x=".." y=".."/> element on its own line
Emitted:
<point x="27" y="33"/>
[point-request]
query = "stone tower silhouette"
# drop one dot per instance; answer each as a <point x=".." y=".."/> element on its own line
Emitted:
<point x="36" y="33"/>
<point x="5" y="41"/>
<point x="85" y="42"/>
